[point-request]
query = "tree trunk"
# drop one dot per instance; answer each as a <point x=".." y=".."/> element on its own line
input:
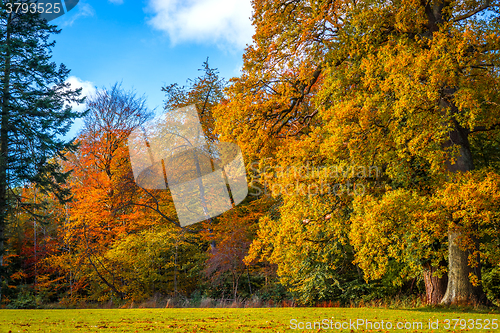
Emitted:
<point x="249" y="284"/>
<point x="460" y="289"/>
<point x="118" y="293"/>
<point x="106" y="282"/>
<point x="435" y="287"/>
<point x="236" y="278"/>
<point x="175" y="270"/>
<point x="4" y="130"/>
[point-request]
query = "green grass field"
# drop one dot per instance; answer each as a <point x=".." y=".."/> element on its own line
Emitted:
<point x="245" y="320"/>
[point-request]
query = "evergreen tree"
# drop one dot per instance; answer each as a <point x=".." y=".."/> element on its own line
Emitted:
<point x="35" y="111"/>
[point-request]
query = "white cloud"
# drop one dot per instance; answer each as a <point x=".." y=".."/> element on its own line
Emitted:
<point x="221" y="22"/>
<point x="82" y="10"/>
<point x="116" y="2"/>
<point x="88" y="89"/>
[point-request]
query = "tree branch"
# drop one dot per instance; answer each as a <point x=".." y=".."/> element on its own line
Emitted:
<point x="486" y="5"/>
<point x="484" y="128"/>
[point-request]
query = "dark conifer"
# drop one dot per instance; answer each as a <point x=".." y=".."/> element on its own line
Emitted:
<point x="35" y="109"/>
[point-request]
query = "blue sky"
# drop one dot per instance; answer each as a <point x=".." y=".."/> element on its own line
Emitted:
<point x="147" y="44"/>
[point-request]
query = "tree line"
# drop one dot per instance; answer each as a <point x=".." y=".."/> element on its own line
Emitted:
<point x="410" y="87"/>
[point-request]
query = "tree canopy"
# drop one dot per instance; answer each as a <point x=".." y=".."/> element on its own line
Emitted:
<point x="409" y="87"/>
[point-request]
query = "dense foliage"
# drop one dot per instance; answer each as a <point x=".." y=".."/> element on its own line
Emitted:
<point x="371" y="136"/>
<point x="35" y="115"/>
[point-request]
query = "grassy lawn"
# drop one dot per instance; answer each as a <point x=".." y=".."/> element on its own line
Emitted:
<point x="240" y="320"/>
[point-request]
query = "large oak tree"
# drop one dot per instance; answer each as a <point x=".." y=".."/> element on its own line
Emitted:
<point x="403" y="85"/>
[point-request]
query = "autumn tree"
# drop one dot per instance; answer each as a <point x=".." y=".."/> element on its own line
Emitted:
<point x="104" y="192"/>
<point x="35" y="109"/>
<point x="160" y="259"/>
<point x="205" y="92"/>
<point x="404" y="86"/>
<point x="447" y="64"/>
<point x="231" y="233"/>
<point x="31" y="238"/>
